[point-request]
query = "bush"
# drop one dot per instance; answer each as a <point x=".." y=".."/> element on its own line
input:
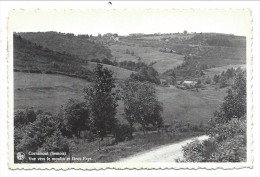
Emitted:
<point x="197" y="151"/>
<point x="228" y="130"/>
<point x="123" y="132"/>
<point x="56" y="143"/>
<point x="208" y="80"/>
<point x="23" y="117"/>
<point x="41" y="135"/>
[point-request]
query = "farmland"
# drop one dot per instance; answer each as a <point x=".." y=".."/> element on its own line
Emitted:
<point x="164" y="61"/>
<point x="48" y="92"/>
<point x="45" y="91"/>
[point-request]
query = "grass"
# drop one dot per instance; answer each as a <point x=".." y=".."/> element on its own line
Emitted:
<point x="164" y="61"/>
<point x="119" y="73"/>
<point x="45" y="91"/>
<point x="210" y="55"/>
<point x="49" y="92"/>
<point x="112" y="153"/>
<point x="218" y="70"/>
<point x="194" y="107"/>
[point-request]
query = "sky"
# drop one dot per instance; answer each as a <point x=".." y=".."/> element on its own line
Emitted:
<point x="126" y="21"/>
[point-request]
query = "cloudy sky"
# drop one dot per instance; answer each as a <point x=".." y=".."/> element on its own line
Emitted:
<point x="126" y="21"/>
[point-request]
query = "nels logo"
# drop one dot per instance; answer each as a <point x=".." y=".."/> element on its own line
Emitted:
<point x="20" y="155"/>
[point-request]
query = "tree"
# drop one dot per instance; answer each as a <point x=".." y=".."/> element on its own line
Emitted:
<point x="227" y="142"/>
<point x="146" y="73"/>
<point x="216" y="78"/>
<point x="102" y="101"/>
<point x="75" y="118"/>
<point x="141" y="104"/>
<point x="234" y="105"/>
<point x="173" y="77"/>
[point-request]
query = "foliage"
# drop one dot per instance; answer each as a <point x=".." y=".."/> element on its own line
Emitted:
<point x="141" y="104"/>
<point x="146" y="73"/>
<point x="23" y="117"/>
<point x="208" y="80"/>
<point x="41" y="135"/>
<point x="234" y="105"/>
<point x="123" y="132"/>
<point x="75" y="118"/>
<point x="56" y="143"/>
<point x="216" y="78"/>
<point x="102" y="101"/>
<point x="227" y="144"/>
<point x="37" y="132"/>
<point x="227" y="141"/>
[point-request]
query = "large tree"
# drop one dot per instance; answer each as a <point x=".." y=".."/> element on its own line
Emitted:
<point x="102" y="101"/>
<point x="141" y="104"/>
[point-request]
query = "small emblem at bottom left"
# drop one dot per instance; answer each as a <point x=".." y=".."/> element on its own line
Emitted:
<point x="20" y="155"/>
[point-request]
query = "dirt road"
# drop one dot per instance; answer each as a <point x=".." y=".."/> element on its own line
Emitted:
<point x="167" y="153"/>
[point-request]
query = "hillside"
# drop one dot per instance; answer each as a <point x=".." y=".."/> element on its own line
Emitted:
<point x="211" y="49"/>
<point x="33" y="58"/>
<point x="81" y="45"/>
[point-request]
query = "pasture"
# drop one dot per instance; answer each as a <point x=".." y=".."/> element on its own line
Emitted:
<point x="164" y="61"/>
<point x="49" y="92"/>
<point x="45" y="91"/>
<point x="210" y="55"/>
<point x="119" y="73"/>
<point x="218" y="70"/>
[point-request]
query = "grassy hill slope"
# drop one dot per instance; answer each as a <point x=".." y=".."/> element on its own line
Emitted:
<point x="77" y="45"/>
<point x="164" y="61"/>
<point x="218" y="53"/>
<point x="31" y="57"/>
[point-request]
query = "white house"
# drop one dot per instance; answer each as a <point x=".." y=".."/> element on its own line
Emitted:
<point x="189" y="84"/>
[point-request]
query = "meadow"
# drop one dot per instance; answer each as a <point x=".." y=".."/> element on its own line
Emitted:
<point x="48" y="92"/>
<point x="45" y="91"/>
<point x="164" y="61"/>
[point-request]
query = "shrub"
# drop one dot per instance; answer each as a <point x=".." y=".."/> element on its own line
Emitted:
<point x="23" y="117"/>
<point x="42" y="134"/>
<point x="56" y="143"/>
<point x="216" y="78"/>
<point x="123" y="132"/>
<point x="227" y="132"/>
<point x="194" y="152"/>
<point x="208" y="80"/>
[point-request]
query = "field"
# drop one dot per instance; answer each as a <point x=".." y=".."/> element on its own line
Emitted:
<point x="45" y="91"/>
<point x="218" y="70"/>
<point x="119" y="73"/>
<point x="194" y="107"/>
<point x="209" y="55"/>
<point x="164" y="61"/>
<point x="49" y="92"/>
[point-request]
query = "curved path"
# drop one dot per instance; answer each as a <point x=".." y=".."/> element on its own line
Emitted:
<point x="166" y="153"/>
